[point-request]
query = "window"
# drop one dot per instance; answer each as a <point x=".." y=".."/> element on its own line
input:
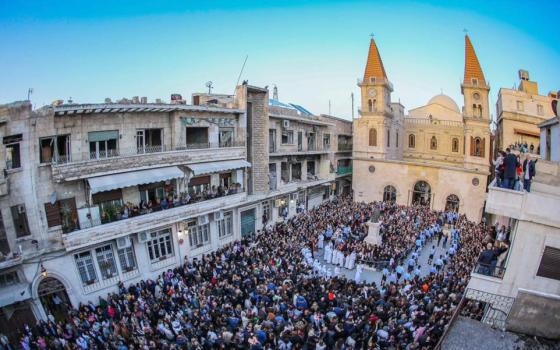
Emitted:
<point x="310" y="167"/>
<point x="477" y="147"/>
<point x="160" y="246"/>
<point x="455" y="145"/>
<point x="149" y="140"/>
<point x="9" y="278"/>
<point x="373" y="137"/>
<point x="13" y="160"/>
<point x="389" y="194"/>
<point x="474" y="81"/>
<point x="4" y="245"/>
<point x="519" y="105"/>
<point x="540" y="110"/>
<point x="152" y="192"/>
<point x="287" y="137"/>
<point x="266" y="212"/>
<point x="55" y="149"/>
<point x="106" y="261"/>
<point x="197" y="137"/>
<point x="388" y="138"/>
<point x="397" y="139"/>
<point x="549" y="264"/>
<point x="411" y="141"/>
<point x="103" y="144"/>
<point x="199" y="235"/>
<point x="198" y="185"/>
<point x="19" y="216"/>
<point x="271" y="140"/>
<point x="326" y="141"/>
<point x="225" y="226"/>
<point x="284" y="172"/>
<point x="296" y="171"/>
<point x="62" y="212"/>
<point x="226" y="137"/>
<point x="433" y="143"/>
<point x="86" y="269"/>
<point x="127" y="258"/>
<point x="371" y="105"/>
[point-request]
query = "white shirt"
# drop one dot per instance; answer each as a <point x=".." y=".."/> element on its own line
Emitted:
<point x="527" y="170"/>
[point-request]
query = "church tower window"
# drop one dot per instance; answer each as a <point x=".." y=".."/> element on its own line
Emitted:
<point x="477" y="147"/>
<point x="411" y="141"/>
<point x="373" y="137"/>
<point x="388" y="138"/>
<point x="397" y="139"/>
<point x="433" y="143"/>
<point x="370" y="105"/>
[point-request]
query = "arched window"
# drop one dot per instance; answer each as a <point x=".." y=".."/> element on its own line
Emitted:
<point x="433" y="143"/>
<point x="475" y="112"/>
<point x="455" y="145"/>
<point x="372" y="137"/>
<point x="397" y="139"/>
<point x="480" y="111"/>
<point x="389" y="194"/>
<point x="370" y="105"/>
<point x="452" y="203"/>
<point x="411" y="141"/>
<point x="478" y="147"/>
<point x="388" y="138"/>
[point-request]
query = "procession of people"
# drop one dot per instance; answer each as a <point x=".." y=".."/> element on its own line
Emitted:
<point x="277" y="290"/>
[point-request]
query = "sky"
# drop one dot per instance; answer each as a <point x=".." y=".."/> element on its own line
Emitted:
<point x="313" y="51"/>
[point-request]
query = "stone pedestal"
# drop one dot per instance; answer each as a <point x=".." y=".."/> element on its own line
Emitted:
<point x="373" y="237"/>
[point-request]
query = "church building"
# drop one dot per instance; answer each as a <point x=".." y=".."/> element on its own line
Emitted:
<point x="437" y="155"/>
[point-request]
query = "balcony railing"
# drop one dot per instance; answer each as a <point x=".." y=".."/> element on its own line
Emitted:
<point x="490" y="270"/>
<point x="125" y="152"/>
<point x="344" y="147"/>
<point x="341" y="170"/>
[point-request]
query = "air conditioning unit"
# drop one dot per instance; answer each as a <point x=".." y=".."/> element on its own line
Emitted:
<point x="21" y="209"/>
<point x="219" y="215"/>
<point x="285" y="124"/>
<point x="123" y="242"/>
<point x="202" y="220"/>
<point x="144" y="236"/>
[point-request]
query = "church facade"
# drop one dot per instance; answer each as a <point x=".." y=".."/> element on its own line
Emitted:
<point x="436" y="155"/>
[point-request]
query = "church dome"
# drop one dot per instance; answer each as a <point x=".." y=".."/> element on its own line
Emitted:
<point x="445" y="101"/>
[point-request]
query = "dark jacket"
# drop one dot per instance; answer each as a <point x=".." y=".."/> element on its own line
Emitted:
<point x="510" y="166"/>
<point x="531" y="168"/>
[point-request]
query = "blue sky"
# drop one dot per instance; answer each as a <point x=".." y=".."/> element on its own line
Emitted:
<point x="312" y="50"/>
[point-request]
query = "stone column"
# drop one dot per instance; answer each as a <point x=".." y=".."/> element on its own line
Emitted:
<point x="373" y="237"/>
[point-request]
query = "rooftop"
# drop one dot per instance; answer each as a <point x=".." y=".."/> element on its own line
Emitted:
<point x="135" y="107"/>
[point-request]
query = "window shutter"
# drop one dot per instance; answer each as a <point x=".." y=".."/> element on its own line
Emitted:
<point x="472" y="146"/>
<point x="52" y="213"/>
<point x="482" y="147"/>
<point x="549" y="264"/>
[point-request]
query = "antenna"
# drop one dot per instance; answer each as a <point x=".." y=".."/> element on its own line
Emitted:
<point x="465" y="30"/>
<point x="329" y="107"/>
<point x="241" y="72"/>
<point x="209" y="86"/>
<point x="29" y="92"/>
<point x="275" y="93"/>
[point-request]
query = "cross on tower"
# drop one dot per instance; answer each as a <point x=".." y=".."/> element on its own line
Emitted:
<point x="372" y="35"/>
<point x="465" y="31"/>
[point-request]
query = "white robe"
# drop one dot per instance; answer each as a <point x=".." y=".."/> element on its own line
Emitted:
<point x="337" y="271"/>
<point x="341" y="259"/>
<point x="328" y="254"/>
<point x="334" y="257"/>
<point x="358" y="275"/>
<point x="321" y="241"/>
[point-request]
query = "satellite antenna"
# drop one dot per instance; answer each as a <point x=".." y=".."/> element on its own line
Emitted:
<point x="209" y="86"/>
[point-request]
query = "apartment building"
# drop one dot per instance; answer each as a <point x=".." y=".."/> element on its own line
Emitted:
<point x="96" y="194"/>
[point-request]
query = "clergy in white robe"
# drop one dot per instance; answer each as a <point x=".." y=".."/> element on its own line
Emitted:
<point x="337" y="271"/>
<point x="321" y="241"/>
<point x="328" y="253"/>
<point x="358" y="275"/>
<point x="340" y="259"/>
<point x="351" y="261"/>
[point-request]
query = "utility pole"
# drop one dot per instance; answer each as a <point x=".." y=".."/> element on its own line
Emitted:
<point x="329" y="107"/>
<point x="352" y="96"/>
<point x="29" y="92"/>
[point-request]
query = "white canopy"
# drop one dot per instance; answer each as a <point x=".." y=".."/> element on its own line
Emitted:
<point x="214" y="167"/>
<point x="133" y="178"/>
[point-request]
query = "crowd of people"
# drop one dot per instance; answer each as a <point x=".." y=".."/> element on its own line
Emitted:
<point x="512" y="173"/>
<point x="266" y="292"/>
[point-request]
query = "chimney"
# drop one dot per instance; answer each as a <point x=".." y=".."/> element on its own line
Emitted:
<point x="144" y="100"/>
<point x="107" y="100"/>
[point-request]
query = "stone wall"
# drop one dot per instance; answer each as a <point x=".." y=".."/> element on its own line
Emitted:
<point x="259" y="137"/>
<point x="535" y="314"/>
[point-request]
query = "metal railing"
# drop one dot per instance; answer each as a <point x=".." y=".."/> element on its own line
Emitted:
<point x="344" y="147"/>
<point x="436" y="122"/>
<point x="133" y="151"/>
<point x="489" y="270"/>
<point x="341" y="170"/>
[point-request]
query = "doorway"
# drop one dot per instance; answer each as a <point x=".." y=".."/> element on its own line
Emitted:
<point x="54" y="298"/>
<point x="421" y="195"/>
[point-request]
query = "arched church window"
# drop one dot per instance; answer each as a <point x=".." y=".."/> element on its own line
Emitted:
<point x="389" y="194"/>
<point x="411" y="141"/>
<point x="370" y="105"/>
<point x="455" y="145"/>
<point x="433" y="143"/>
<point x="480" y="111"/>
<point x="372" y="137"/>
<point x="478" y="147"/>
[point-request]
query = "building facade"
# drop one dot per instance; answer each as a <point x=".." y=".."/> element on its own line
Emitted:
<point x="437" y="155"/>
<point x="97" y="194"/>
<point x="519" y="112"/>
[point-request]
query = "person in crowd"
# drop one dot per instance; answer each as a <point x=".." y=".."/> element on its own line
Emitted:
<point x="510" y="167"/>
<point x="528" y="173"/>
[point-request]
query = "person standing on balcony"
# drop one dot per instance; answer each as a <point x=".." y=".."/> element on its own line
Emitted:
<point x="510" y="167"/>
<point x="528" y="173"/>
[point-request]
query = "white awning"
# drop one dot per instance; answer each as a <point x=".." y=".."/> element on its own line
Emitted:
<point x="112" y="182"/>
<point x="14" y="293"/>
<point x="214" y="167"/>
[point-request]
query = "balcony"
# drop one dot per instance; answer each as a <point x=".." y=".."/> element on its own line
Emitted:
<point x="504" y="202"/>
<point x="343" y="170"/>
<point x="100" y="232"/>
<point x="489" y="270"/>
<point x="344" y="148"/>
<point x="92" y="164"/>
<point x="286" y="150"/>
<point x="11" y="261"/>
